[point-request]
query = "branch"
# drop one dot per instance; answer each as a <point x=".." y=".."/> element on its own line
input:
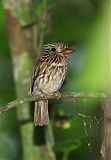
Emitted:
<point x="62" y="96"/>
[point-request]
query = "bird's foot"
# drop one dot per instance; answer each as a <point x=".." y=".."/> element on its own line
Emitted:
<point x="58" y="95"/>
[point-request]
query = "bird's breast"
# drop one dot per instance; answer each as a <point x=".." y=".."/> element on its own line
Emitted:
<point x="52" y="78"/>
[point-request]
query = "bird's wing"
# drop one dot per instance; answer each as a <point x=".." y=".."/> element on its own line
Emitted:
<point x="35" y="74"/>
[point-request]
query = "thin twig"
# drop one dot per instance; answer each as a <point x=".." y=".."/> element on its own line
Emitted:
<point x="62" y="96"/>
<point x="34" y="22"/>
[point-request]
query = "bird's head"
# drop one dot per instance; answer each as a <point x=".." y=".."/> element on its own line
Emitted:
<point x="60" y="48"/>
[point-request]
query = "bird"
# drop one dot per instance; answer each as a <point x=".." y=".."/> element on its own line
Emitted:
<point x="48" y="76"/>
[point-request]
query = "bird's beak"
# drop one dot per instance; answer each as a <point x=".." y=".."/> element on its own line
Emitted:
<point x="68" y="51"/>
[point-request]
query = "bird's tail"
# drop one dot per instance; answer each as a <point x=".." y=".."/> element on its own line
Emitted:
<point x="41" y="116"/>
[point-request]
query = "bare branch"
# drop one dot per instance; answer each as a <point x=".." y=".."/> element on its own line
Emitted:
<point x="63" y="96"/>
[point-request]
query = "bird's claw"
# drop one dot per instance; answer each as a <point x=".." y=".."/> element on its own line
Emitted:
<point x="58" y="95"/>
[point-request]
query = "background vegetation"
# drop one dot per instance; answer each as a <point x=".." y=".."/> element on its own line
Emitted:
<point x="75" y="129"/>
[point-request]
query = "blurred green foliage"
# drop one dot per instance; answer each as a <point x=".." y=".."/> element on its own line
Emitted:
<point x="9" y="131"/>
<point x="95" y="72"/>
<point x="83" y="24"/>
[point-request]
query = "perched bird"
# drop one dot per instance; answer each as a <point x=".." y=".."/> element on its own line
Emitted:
<point x="48" y="76"/>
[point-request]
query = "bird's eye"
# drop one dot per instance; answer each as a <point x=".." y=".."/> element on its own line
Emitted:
<point x="53" y="49"/>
